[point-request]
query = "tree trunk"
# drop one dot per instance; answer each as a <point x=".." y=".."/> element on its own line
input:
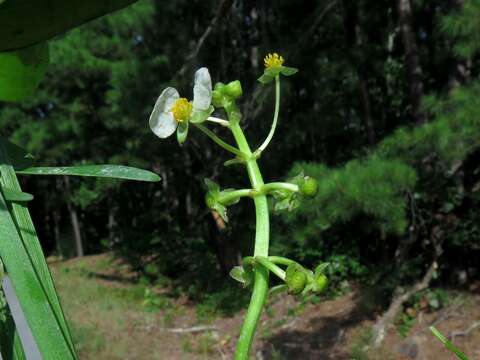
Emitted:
<point x="56" y="232"/>
<point x="412" y="59"/>
<point x="367" y="110"/>
<point x="459" y="67"/>
<point x="355" y="38"/>
<point x="113" y="238"/>
<point x="226" y="252"/>
<point x="77" y="235"/>
<point x="76" y="230"/>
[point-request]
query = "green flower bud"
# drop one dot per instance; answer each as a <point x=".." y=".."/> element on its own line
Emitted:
<point x="220" y="87"/>
<point x="234" y="89"/>
<point x="297" y="283"/>
<point x="309" y="188"/>
<point x="217" y="98"/>
<point x="320" y="283"/>
<point x="218" y="95"/>
<point x="296" y="279"/>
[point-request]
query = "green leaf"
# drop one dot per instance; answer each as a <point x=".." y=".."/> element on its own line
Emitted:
<point x="212" y="186"/>
<point x="282" y="205"/>
<point x="221" y="210"/>
<point x="103" y="171"/>
<point x="288" y="71"/>
<point x="248" y="268"/>
<point x="28" y="22"/>
<point x="280" y="194"/>
<point x="17" y="196"/>
<point x="237" y="273"/>
<point x="182" y="132"/>
<point x="273" y="71"/>
<point x="34" y="250"/>
<point x="265" y="79"/>
<point x="14" y="155"/>
<point x="21" y="71"/>
<point x="38" y="309"/>
<point x="448" y="344"/>
<point x="320" y="269"/>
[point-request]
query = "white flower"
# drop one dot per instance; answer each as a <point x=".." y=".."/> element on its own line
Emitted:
<point x="170" y="110"/>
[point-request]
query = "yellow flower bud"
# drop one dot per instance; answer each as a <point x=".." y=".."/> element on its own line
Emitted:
<point x="273" y="61"/>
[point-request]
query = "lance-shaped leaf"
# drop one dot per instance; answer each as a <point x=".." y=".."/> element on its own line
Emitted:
<point x="35" y="303"/>
<point x="104" y="171"/>
<point x="14" y="155"/>
<point x="28" y="236"/>
<point x="28" y="22"/>
<point x="33" y="248"/>
<point x="448" y="344"/>
<point x="15" y="195"/>
<point x="21" y="70"/>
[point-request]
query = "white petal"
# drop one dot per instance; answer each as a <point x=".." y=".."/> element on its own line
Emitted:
<point x="202" y="90"/>
<point x="165" y="101"/>
<point x="163" y="125"/>
<point x="161" y="121"/>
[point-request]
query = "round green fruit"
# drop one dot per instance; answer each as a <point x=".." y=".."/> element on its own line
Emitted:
<point x="309" y="188"/>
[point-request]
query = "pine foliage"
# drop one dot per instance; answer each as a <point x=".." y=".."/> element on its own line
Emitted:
<point x="463" y="26"/>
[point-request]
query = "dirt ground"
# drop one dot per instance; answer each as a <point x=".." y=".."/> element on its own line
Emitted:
<point x="334" y="329"/>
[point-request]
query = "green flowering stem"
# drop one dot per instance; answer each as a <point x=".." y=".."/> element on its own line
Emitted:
<point x="218" y="121"/>
<point x="262" y="235"/>
<point x="270" y="266"/>
<point x="448" y="344"/>
<point x="267" y="188"/>
<point x="281" y="260"/>
<point x="219" y="141"/>
<point x="230" y="196"/>
<point x="275" y="118"/>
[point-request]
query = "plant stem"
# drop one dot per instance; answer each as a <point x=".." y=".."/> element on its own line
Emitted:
<point x="219" y="141"/>
<point x="271" y="266"/>
<point x="275" y="117"/>
<point x="262" y="234"/>
<point x="232" y="195"/>
<point x="279" y="186"/>
<point x="280" y="260"/>
<point x="218" y="121"/>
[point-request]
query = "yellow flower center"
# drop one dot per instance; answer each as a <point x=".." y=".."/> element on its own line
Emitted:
<point x="273" y="61"/>
<point x="182" y="109"/>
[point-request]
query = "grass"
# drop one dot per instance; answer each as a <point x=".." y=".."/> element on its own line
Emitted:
<point x="114" y="315"/>
<point x="107" y="312"/>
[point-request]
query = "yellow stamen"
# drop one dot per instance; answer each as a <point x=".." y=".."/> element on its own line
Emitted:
<point x="182" y="110"/>
<point x="273" y="60"/>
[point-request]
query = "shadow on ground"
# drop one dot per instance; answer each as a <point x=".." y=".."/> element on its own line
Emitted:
<point x="322" y="336"/>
